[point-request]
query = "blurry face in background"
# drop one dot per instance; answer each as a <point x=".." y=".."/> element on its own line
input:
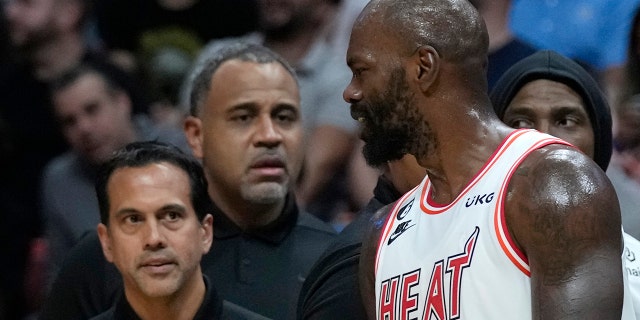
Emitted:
<point x="282" y="17"/>
<point x="94" y="119"/>
<point x="554" y="108"/>
<point x="30" y="22"/>
<point x="627" y="139"/>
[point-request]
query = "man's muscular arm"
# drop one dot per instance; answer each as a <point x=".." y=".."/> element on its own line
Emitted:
<point x="563" y="213"/>
<point x="366" y="270"/>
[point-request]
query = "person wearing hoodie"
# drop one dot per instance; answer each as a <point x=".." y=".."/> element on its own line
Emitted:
<point x="554" y="94"/>
<point x="588" y="110"/>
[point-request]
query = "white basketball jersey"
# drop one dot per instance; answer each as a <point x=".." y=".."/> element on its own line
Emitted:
<point x="457" y="261"/>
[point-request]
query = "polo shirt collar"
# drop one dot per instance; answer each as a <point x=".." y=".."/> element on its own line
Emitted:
<point x="275" y="232"/>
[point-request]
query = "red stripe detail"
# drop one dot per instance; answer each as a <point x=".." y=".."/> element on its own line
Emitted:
<point x="507" y="241"/>
<point x="425" y="197"/>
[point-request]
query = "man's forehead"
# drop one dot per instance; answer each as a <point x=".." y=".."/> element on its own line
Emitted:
<point x="240" y="80"/>
<point x="236" y="68"/>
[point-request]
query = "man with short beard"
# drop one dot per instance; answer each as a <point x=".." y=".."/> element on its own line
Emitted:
<point x="508" y="224"/>
<point x="245" y="127"/>
<point x="299" y="31"/>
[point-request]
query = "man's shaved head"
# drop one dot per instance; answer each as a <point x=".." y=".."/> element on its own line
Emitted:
<point x="436" y="23"/>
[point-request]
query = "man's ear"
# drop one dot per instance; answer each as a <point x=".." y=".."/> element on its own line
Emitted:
<point x="105" y="242"/>
<point x="193" y="132"/>
<point x="207" y="233"/>
<point x="428" y="66"/>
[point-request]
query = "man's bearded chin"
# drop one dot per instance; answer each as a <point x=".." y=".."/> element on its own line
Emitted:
<point x="382" y="146"/>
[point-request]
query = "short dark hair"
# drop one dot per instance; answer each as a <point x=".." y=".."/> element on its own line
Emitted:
<point x="242" y="51"/>
<point x="142" y="153"/>
<point x="72" y="75"/>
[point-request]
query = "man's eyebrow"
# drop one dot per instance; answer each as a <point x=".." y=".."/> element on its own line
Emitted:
<point x="249" y="105"/>
<point x="173" y="207"/>
<point x="168" y="207"/>
<point x="126" y="211"/>
<point x="565" y="109"/>
<point x="285" y="106"/>
<point x="518" y="109"/>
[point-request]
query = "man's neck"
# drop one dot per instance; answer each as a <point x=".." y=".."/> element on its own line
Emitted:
<point x="53" y="58"/>
<point x="184" y="304"/>
<point x="254" y="216"/>
<point x="452" y="166"/>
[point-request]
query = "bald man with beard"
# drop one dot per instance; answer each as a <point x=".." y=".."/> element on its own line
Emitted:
<point x="507" y="223"/>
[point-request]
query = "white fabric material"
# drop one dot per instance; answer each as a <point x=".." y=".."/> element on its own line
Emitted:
<point x="458" y="260"/>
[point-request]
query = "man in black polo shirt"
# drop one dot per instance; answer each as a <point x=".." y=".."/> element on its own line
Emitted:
<point x="246" y="128"/>
<point x="155" y="228"/>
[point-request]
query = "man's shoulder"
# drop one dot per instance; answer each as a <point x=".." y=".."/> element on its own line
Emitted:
<point x="86" y="285"/>
<point x="61" y="167"/>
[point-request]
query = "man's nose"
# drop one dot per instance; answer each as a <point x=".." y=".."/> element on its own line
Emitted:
<point x="268" y="133"/>
<point x="351" y="93"/>
<point x="154" y="238"/>
<point x="544" y="126"/>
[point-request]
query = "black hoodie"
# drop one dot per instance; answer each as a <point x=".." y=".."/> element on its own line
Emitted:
<point x="552" y="66"/>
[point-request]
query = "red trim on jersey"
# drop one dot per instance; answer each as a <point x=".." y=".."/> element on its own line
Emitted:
<point x="425" y="197"/>
<point x="508" y="245"/>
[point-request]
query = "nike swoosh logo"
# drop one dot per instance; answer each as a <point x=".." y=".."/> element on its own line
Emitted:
<point x="399" y="231"/>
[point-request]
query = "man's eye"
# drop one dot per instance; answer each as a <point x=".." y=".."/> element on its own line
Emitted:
<point x="520" y="123"/>
<point x="568" y="122"/>
<point x="357" y="72"/>
<point x="132" y="219"/>
<point x="241" y="118"/>
<point x="172" y="216"/>
<point x="286" y="116"/>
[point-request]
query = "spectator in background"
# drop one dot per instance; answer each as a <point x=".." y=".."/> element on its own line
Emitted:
<point x="246" y="128"/>
<point x="158" y="40"/>
<point x="592" y="32"/>
<point x="624" y="170"/>
<point x="47" y="39"/>
<point x="505" y="48"/>
<point x="298" y="31"/>
<point x="632" y="67"/>
<point x="553" y="94"/>
<point x="341" y="28"/>
<point x="551" y="78"/>
<point x="95" y="116"/>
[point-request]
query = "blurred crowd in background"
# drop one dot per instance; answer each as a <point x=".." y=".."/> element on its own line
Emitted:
<point x="146" y="51"/>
